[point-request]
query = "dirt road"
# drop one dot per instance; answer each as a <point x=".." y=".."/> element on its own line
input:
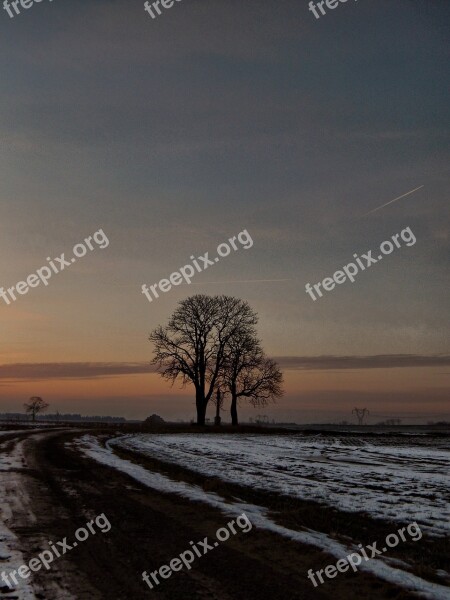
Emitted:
<point x="50" y="490"/>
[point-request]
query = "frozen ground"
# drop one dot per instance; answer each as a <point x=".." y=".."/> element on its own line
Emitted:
<point x="17" y="513"/>
<point x="91" y="447"/>
<point x="12" y="432"/>
<point x="13" y="498"/>
<point x="392" y="479"/>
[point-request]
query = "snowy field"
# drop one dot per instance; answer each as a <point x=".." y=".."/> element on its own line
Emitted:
<point x="202" y="454"/>
<point x="390" y="478"/>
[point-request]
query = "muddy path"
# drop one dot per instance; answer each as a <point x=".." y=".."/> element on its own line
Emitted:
<point x="61" y="490"/>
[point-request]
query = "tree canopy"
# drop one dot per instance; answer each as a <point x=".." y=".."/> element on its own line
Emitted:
<point x="210" y="341"/>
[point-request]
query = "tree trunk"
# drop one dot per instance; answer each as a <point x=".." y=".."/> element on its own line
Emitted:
<point x="201" y="415"/>
<point x="201" y="408"/>
<point x="217" y="420"/>
<point x="233" y="410"/>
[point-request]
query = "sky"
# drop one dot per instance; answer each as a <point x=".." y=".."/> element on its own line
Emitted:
<point x="174" y="134"/>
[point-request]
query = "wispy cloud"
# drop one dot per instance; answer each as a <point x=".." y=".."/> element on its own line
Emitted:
<point x="93" y="370"/>
<point x="75" y="370"/>
<point x="379" y="361"/>
<point x="242" y="281"/>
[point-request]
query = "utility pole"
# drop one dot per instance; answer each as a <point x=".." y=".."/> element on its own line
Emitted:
<point x="360" y="413"/>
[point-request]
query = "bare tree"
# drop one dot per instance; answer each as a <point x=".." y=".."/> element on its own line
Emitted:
<point x="248" y="373"/>
<point x="34" y="406"/>
<point x="192" y="347"/>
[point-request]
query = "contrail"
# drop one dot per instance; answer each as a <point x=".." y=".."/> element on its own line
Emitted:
<point x="240" y="281"/>
<point x="391" y="201"/>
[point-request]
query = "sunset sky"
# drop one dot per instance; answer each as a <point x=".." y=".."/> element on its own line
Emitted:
<point x="175" y="134"/>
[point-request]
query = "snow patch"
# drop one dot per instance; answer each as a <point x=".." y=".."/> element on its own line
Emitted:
<point x="401" y="483"/>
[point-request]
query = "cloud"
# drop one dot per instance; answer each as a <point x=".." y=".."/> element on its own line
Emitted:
<point x="379" y="361"/>
<point x="93" y="370"/>
<point x="74" y="370"/>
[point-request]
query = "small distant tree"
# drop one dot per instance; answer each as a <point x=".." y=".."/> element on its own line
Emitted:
<point x="34" y="406"/>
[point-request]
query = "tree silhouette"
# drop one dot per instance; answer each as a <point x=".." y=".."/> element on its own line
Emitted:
<point x="34" y="406"/>
<point x="193" y="346"/>
<point x="248" y="373"/>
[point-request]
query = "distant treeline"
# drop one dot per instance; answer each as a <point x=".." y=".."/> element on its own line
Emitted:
<point x="60" y="417"/>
